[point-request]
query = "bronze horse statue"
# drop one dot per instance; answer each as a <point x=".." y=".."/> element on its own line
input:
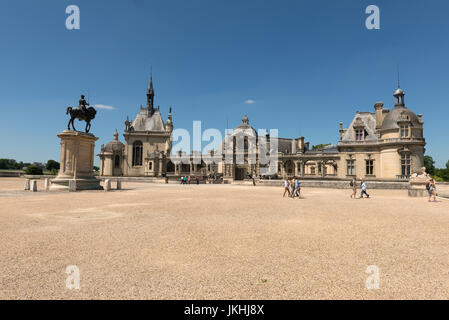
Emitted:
<point x="80" y="113"/>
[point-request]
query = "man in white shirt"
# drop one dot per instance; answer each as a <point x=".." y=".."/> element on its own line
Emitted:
<point x="363" y="189"/>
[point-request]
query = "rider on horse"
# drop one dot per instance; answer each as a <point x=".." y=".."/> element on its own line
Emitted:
<point x="81" y="113"/>
<point x="83" y="104"/>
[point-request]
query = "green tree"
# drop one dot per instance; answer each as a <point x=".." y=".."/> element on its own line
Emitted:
<point x="34" y="170"/>
<point x="10" y="164"/>
<point x="429" y="163"/>
<point x="442" y="174"/>
<point x="52" y="165"/>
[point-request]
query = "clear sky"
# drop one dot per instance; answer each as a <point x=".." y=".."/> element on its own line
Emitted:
<point x="307" y="65"/>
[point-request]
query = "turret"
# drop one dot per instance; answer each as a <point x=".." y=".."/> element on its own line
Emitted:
<point x="169" y="122"/>
<point x="399" y="98"/>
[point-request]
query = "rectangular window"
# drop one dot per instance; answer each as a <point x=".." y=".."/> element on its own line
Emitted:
<point x="369" y="167"/>
<point x="404" y="131"/>
<point x="350" y="167"/>
<point x="359" y="135"/>
<point x="405" y="164"/>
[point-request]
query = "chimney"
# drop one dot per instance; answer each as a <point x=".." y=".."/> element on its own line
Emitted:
<point x="294" y="143"/>
<point x="307" y="145"/>
<point x="300" y="146"/>
<point x="420" y="119"/>
<point x="342" y="131"/>
<point x="379" y="114"/>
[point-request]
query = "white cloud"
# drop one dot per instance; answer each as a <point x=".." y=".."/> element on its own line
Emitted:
<point x="250" y="101"/>
<point x="102" y="106"/>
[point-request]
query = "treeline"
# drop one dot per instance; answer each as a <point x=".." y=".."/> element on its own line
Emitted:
<point x="441" y="174"/>
<point x="11" y="164"/>
<point x="29" y="168"/>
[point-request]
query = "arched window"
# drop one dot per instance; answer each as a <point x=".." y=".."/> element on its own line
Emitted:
<point x="137" y="153"/>
<point x="117" y="161"/>
<point x="170" y="167"/>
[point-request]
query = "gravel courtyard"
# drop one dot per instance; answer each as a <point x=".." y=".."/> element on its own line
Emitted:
<point x="152" y="241"/>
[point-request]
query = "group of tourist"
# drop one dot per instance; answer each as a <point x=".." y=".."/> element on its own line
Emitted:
<point x="187" y="180"/>
<point x="353" y="185"/>
<point x="292" y="187"/>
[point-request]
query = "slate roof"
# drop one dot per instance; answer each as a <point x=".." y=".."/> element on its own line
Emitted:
<point x="369" y="121"/>
<point x="397" y="114"/>
<point x="148" y="121"/>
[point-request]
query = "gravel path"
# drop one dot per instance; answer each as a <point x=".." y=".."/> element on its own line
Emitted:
<point x="155" y="241"/>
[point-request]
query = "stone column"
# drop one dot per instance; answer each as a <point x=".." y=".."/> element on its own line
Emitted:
<point x="161" y="167"/>
<point x="34" y="185"/>
<point x="47" y="184"/>
<point x="282" y="169"/>
<point x="27" y="184"/>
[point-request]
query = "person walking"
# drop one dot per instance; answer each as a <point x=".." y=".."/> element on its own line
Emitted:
<point x="197" y="180"/>
<point x="188" y="180"/>
<point x="432" y="190"/>
<point x="363" y="189"/>
<point x="286" y="187"/>
<point x="297" y="188"/>
<point x="182" y="180"/>
<point x="353" y="185"/>
<point x="293" y="186"/>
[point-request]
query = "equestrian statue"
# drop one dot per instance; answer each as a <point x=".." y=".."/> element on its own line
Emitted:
<point x="81" y="113"/>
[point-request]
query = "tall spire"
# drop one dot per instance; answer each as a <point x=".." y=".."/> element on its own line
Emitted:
<point x="150" y="92"/>
<point x="399" y="83"/>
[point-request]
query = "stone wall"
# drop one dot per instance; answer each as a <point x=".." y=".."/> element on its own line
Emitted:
<point x="339" y="184"/>
<point x="10" y="174"/>
<point x="443" y="189"/>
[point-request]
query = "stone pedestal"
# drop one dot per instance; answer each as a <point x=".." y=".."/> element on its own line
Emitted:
<point x="418" y="182"/>
<point x="34" y="185"/>
<point x="77" y="160"/>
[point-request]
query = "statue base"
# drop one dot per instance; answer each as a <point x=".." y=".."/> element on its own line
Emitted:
<point x="418" y="181"/>
<point x="77" y="160"/>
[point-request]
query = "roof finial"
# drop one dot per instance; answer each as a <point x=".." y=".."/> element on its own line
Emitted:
<point x="399" y="83"/>
<point x="151" y="76"/>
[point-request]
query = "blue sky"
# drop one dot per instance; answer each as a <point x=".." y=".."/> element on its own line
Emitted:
<point x="307" y="65"/>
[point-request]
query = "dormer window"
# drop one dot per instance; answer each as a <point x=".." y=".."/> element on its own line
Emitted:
<point x="359" y="134"/>
<point x="359" y="129"/>
<point x="405" y="130"/>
